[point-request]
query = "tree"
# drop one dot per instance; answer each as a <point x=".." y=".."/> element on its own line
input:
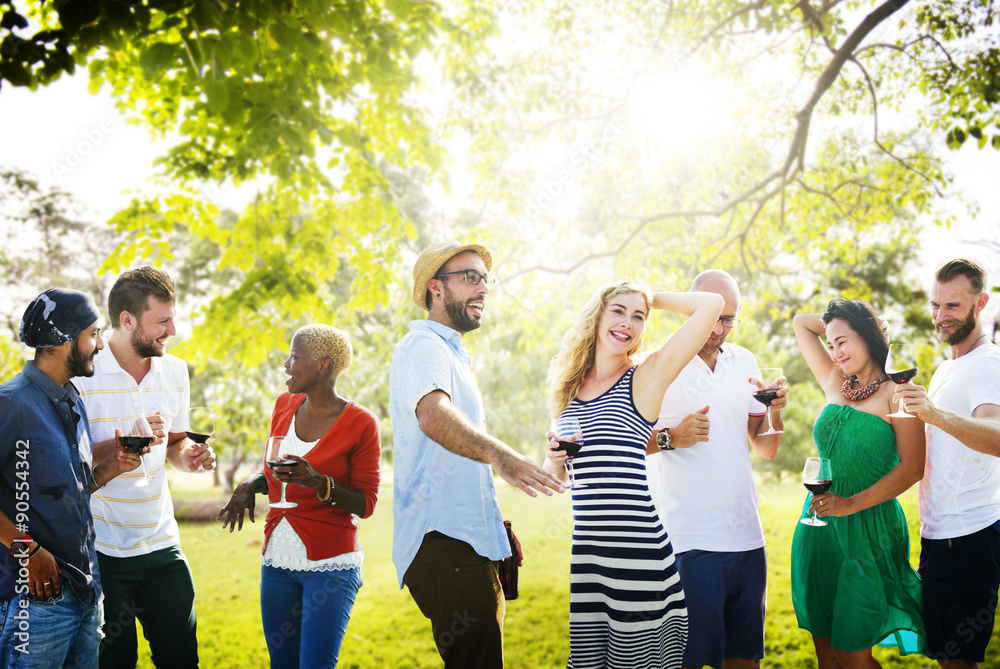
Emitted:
<point x="47" y="243"/>
<point x="304" y="97"/>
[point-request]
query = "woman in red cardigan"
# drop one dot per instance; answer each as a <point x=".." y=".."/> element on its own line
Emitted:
<point x="311" y="562"/>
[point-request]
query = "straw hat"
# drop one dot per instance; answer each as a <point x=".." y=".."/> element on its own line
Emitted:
<point x="431" y="260"/>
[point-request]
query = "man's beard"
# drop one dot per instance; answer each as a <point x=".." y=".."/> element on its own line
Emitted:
<point x="79" y="364"/>
<point x="965" y="327"/>
<point x="144" y="348"/>
<point x="458" y="312"/>
<point x="710" y="349"/>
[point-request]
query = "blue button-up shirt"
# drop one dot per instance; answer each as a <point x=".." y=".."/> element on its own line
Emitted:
<point x="45" y="478"/>
<point x="433" y="488"/>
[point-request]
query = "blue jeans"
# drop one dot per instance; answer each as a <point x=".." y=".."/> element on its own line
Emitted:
<point x="61" y="632"/>
<point x="305" y="614"/>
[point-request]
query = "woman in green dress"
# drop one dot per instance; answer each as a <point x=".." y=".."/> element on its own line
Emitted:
<point x="852" y="583"/>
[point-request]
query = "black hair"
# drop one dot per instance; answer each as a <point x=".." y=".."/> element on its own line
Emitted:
<point x="861" y="317"/>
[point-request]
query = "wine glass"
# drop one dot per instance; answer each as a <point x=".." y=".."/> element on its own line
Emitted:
<point x="817" y="477"/>
<point x="767" y="394"/>
<point x="200" y="426"/>
<point x="569" y="434"/>
<point x="272" y="459"/>
<point x="901" y="366"/>
<point x="136" y="435"/>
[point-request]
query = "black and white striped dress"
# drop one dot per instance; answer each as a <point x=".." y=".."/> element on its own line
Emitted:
<point x="627" y="606"/>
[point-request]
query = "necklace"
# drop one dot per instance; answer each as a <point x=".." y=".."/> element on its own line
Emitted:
<point x="861" y="393"/>
<point x="968" y="350"/>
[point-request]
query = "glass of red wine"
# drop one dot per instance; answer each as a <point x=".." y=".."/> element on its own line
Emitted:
<point x="817" y="477"/>
<point x="569" y="434"/>
<point x="136" y="435"/>
<point x="201" y="426"/>
<point x="765" y="390"/>
<point x="901" y="366"/>
<point x="272" y="459"/>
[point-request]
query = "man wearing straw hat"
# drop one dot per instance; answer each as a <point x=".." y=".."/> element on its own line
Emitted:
<point x="448" y="529"/>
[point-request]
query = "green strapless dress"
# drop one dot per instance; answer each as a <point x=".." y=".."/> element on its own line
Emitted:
<point x="852" y="581"/>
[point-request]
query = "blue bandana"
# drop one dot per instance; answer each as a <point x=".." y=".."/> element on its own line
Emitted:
<point x="56" y="317"/>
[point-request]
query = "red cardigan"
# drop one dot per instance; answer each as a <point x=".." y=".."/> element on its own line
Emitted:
<point x="350" y="453"/>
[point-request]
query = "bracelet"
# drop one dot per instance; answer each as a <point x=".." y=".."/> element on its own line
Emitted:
<point x="38" y="547"/>
<point x="328" y="500"/>
<point x="328" y="491"/>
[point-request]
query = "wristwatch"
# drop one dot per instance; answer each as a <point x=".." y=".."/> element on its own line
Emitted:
<point x="663" y="440"/>
<point x="25" y="540"/>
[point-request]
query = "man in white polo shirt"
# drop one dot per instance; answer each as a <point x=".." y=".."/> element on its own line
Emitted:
<point x="699" y="472"/>
<point x="143" y="570"/>
<point x="960" y="491"/>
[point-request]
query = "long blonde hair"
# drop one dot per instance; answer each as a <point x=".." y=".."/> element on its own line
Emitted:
<point x="577" y="351"/>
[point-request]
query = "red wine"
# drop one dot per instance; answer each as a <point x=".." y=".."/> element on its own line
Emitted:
<point x="902" y="377"/>
<point x="571" y="447"/>
<point x="818" y="487"/>
<point x="283" y="462"/>
<point x="197" y="437"/>
<point x="507" y="567"/>
<point x="766" y="396"/>
<point x="136" y="444"/>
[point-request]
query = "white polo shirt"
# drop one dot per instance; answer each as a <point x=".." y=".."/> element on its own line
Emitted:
<point x="129" y="520"/>
<point x="960" y="491"/>
<point x="705" y="494"/>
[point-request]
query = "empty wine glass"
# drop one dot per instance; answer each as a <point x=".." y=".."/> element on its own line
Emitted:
<point x="136" y="434"/>
<point x="817" y="477"/>
<point x="769" y="379"/>
<point x="569" y="434"/>
<point x="901" y="366"/>
<point x="272" y="459"/>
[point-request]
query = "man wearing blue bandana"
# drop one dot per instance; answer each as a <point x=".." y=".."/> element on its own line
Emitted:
<point x="50" y="592"/>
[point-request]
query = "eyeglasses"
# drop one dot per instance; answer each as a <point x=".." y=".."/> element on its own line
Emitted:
<point x="472" y="277"/>
<point x="728" y="321"/>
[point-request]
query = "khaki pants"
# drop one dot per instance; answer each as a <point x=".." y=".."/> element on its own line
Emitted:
<point x="459" y="592"/>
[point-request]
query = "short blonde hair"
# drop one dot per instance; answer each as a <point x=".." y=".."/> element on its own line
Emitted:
<point x="577" y="353"/>
<point x="326" y="341"/>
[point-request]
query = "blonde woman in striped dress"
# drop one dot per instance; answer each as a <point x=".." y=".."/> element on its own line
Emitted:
<point x="626" y="601"/>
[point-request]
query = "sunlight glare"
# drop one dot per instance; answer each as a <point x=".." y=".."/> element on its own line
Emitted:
<point x="679" y="111"/>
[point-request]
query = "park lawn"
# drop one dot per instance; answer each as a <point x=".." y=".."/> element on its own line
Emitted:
<point x="387" y="630"/>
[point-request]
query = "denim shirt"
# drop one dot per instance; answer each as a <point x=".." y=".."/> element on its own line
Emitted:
<point x="433" y="488"/>
<point x="45" y="479"/>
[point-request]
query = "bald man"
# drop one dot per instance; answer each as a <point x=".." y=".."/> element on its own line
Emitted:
<point x="701" y="480"/>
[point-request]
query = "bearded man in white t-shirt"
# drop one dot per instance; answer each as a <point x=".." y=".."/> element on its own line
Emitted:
<point x="144" y="573"/>
<point x="960" y="492"/>
<point x="701" y="480"/>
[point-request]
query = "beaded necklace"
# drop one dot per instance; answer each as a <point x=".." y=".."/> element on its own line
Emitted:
<point x="861" y="393"/>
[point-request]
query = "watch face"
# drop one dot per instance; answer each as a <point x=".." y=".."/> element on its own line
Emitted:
<point x="663" y="439"/>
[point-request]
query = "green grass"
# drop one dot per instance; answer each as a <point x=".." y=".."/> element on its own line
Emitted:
<point x="387" y="630"/>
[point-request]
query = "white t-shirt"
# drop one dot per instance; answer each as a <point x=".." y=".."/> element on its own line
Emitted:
<point x="960" y="491"/>
<point x="705" y="494"/>
<point x="128" y="520"/>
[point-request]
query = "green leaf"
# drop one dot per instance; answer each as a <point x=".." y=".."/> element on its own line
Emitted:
<point x="215" y="86"/>
<point x="155" y="60"/>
